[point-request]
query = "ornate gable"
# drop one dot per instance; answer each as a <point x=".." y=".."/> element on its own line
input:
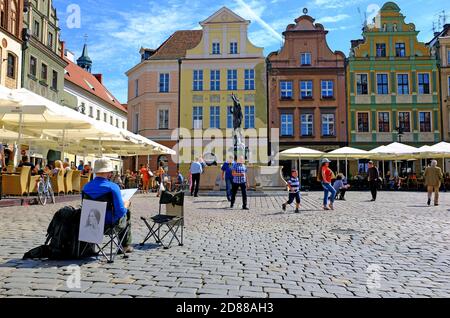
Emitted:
<point x="224" y="15"/>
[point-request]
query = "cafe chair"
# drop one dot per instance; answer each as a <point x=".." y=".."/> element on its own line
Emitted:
<point x="16" y="184"/>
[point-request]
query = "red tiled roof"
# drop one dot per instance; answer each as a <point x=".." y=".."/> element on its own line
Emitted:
<point x="90" y="83"/>
<point x="177" y="45"/>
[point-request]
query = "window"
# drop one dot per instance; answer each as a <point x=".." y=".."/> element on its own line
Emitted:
<point x="286" y="89"/>
<point x="36" y="30"/>
<point x="249" y="117"/>
<point x="229" y="117"/>
<point x="328" y="125"/>
<point x="402" y="84"/>
<point x="216" y="48"/>
<point x="44" y="72"/>
<point x="2" y="14"/>
<point x="425" y="121"/>
<point x="123" y="125"/>
<point x="382" y="84"/>
<point x="448" y="58"/>
<point x="381" y="50"/>
<point x="164" y="82"/>
<point x="163" y="119"/>
<point x="287" y="125"/>
<point x="136" y="123"/>
<point x="55" y="80"/>
<point x="448" y="80"/>
<point x="404" y="121"/>
<point x="98" y="114"/>
<point x="197" y="117"/>
<point x="11" y="67"/>
<point x="306" y="89"/>
<point x="117" y="123"/>
<point x="232" y="79"/>
<point x="198" y="80"/>
<point x="136" y="87"/>
<point x="233" y="48"/>
<point x="327" y="89"/>
<point x="50" y="40"/>
<point x="214" y="117"/>
<point x="400" y="50"/>
<point x="363" y="122"/>
<point x="91" y="111"/>
<point x="215" y="80"/>
<point x="249" y="80"/>
<point x="362" y="87"/>
<point x="307" y="125"/>
<point x="105" y="117"/>
<point x="383" y="122"/>
<point x="424" y="83"/>
<point x="33" y="66"/>
<point x="111" y="120"/>
<point x="305" y="59"/>
<point x="13" y="18"/>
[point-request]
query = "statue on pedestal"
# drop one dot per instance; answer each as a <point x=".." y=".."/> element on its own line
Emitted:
<point x="236" y="110"/>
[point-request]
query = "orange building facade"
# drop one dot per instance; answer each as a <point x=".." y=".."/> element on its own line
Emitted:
<point x="307" y="100"/>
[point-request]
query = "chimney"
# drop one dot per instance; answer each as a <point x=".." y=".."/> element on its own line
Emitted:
<point x="99" y="78"/>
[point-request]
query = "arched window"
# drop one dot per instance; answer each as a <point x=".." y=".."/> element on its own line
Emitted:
<point x="13" y="19"/>
<point x="11" y="66"/>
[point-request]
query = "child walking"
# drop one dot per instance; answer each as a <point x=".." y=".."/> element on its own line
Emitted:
<point x="294" y="191"/>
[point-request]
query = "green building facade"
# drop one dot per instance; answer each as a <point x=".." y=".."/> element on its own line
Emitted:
<point x="392" y="85"/>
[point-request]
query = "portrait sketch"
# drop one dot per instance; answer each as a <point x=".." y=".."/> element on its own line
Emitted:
<point x="92" y="221"/>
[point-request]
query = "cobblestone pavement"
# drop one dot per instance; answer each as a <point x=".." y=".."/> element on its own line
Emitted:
<point x="396" y="247"/>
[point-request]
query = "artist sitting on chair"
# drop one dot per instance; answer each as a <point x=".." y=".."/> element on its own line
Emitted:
<point x="101" y="185"/>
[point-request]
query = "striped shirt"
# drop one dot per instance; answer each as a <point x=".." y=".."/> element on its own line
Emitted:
<point x="239" y="168"/>
<point x="295" y="184"/>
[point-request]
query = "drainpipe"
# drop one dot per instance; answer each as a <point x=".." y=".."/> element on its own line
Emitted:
<point x="269" y="125"/>
<point x="180" y="61"/>
<point x="347" y="105"/>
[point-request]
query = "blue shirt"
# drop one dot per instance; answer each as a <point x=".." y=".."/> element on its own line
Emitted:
<point x="196" y="167"/>
<point x="226" y="167"/>
<point x="101" y="186"/>
<point x="180" y="178"/>
<point x="239" y="168"/>
<point x="338" y="184"/>
<point x="295" y="184"/>
<point x="80" y="167"/>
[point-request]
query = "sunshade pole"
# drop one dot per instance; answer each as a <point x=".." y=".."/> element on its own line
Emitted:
<point x="346" y="167"/>
<point x="63" y="140"/>
<point x="19" y="140"/>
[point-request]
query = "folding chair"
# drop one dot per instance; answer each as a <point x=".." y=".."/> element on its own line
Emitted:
<point x="113" y="246"/>
<point x="169" y="223"/>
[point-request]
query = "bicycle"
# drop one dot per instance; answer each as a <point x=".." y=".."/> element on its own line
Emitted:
<point x="45" y="190"/>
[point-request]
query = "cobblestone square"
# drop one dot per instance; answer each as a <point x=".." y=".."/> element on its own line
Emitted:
<point x="395" y="247"/>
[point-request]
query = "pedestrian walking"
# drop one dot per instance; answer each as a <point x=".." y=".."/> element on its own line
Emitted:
<point x="227" y="176"/>
<point x="196" y="170"/>
<point x="239" y="172"/>
<point x="433" y="176"/>
<point x="374" y="179"/>
<point x="326" y="176"/>
<point x="294" y="191"/>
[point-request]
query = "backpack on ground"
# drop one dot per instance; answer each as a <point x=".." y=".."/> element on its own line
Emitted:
<point x="62" y="238"/>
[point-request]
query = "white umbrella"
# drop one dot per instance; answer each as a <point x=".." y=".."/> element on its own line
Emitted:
<point x="348" y="153"/>
<point x="442" y="150"/>
<point x="301" y="152"/>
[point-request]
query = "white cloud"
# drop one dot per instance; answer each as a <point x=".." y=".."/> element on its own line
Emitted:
<point x="333" y="19"/>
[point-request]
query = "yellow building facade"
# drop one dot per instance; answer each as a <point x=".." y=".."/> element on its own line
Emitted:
<point x="223" y="63"/>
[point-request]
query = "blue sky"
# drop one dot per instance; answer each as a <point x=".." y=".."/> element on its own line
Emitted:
<point x="117" y="29"/>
